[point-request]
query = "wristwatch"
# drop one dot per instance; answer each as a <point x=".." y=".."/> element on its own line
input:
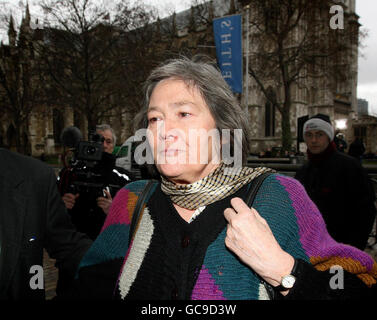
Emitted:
<point x="288" y="281"/>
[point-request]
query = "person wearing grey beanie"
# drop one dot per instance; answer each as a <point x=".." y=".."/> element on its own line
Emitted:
<point x="317" y="123"/>
<point x="337" y="184"/>
<point x="318" y="133"/>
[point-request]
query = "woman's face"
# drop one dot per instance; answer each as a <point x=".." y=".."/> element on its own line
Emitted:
<point x="182" y="132"/>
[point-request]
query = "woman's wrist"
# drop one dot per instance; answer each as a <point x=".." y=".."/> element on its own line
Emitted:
<point x="284" y="267"/>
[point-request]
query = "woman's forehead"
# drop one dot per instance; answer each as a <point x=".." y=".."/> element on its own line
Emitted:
<point x="184" y="85"/>
<point x="177" y="92"/>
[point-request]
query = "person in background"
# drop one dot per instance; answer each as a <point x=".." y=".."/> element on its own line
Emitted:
<point x="337" y="184"/>
<point x="109" y="137"/>
<point x="88" y="212"/>
<point x="32" y="218"/>
<point x="357" y="149"/>
<point x="340" y="143"/>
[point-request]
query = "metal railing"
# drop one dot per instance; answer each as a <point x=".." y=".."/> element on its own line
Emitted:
<point x="290" y="166"/>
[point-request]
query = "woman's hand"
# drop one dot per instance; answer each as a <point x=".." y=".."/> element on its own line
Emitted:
<point x="251" y="239"/>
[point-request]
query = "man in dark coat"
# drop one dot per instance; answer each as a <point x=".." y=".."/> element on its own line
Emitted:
<point x="87" y="209"/>
<point x="33" y="217"/>
<point x="337" y="184"/>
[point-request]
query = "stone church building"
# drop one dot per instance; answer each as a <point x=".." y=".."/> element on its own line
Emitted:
<point x="194" y="33"/>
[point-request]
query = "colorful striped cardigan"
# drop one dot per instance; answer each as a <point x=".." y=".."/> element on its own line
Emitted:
<point x="293" y="218"/>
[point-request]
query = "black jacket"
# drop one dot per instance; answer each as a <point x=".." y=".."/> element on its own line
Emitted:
<point x="340" y="188"/>
<point x="33" y="217"/>
<point x="356" y="149"/>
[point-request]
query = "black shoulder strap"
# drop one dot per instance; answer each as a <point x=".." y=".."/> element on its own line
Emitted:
<point x="137" y="210"/>
<point x="257" y="182"/>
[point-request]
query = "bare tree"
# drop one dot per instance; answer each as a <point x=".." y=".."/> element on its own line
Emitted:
<point x="138" y="49"/>
<point x="82" y="53"/>
<point x="76" y="55"/>
<point x="293" y="42"/>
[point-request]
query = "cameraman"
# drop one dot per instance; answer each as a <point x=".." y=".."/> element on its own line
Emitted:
<point x="88" y="211"/>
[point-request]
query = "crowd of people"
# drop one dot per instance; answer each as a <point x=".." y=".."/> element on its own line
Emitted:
<point x="191" y="234"/>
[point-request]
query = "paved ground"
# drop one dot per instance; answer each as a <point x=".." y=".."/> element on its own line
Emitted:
<point x="50" y="276"/>
<point x="372" y="247"/>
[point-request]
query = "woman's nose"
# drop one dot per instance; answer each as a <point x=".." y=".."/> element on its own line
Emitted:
<point x="166" y="129"/>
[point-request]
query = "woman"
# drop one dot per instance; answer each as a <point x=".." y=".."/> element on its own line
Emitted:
<point x="196" y="238"/>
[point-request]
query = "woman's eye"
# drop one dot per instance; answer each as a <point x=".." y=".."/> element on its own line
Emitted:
<point x="184" y="114"/>
<point x="152" y="120"/>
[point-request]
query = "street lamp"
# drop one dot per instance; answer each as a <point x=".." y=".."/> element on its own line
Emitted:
<point x="341" y="124"/>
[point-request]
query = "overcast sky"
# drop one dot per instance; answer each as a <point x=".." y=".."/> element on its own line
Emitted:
<point x="366" y="9"/>
<point x="367" y="80"/>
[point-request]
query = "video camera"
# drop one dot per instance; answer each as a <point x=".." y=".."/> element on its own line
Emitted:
<point x="85" y="167"/>
<point x="89" y="166"/>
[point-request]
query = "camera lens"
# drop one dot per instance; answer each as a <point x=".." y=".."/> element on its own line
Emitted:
<point x="91" y="150"/>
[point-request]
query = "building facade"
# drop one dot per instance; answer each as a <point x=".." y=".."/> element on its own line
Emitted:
<point x="191" y="32"/>
<point x="362" y="107"/>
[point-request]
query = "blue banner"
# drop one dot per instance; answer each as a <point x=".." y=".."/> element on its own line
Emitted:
<point x="228" y="40"/>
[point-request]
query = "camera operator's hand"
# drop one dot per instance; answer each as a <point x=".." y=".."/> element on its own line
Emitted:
<point x="69" y="200"/>
<point x="105" y="203"/>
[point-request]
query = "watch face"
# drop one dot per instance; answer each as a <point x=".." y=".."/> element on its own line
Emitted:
<point x="288" y="281"/>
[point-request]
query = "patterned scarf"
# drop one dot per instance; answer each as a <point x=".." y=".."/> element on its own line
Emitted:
<point x="219" y="184"/>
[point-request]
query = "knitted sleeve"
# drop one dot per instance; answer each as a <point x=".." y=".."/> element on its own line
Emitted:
<point x="104" y="259"/>
<point x="112" y="242"/>
<point x="339" y="263"/>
